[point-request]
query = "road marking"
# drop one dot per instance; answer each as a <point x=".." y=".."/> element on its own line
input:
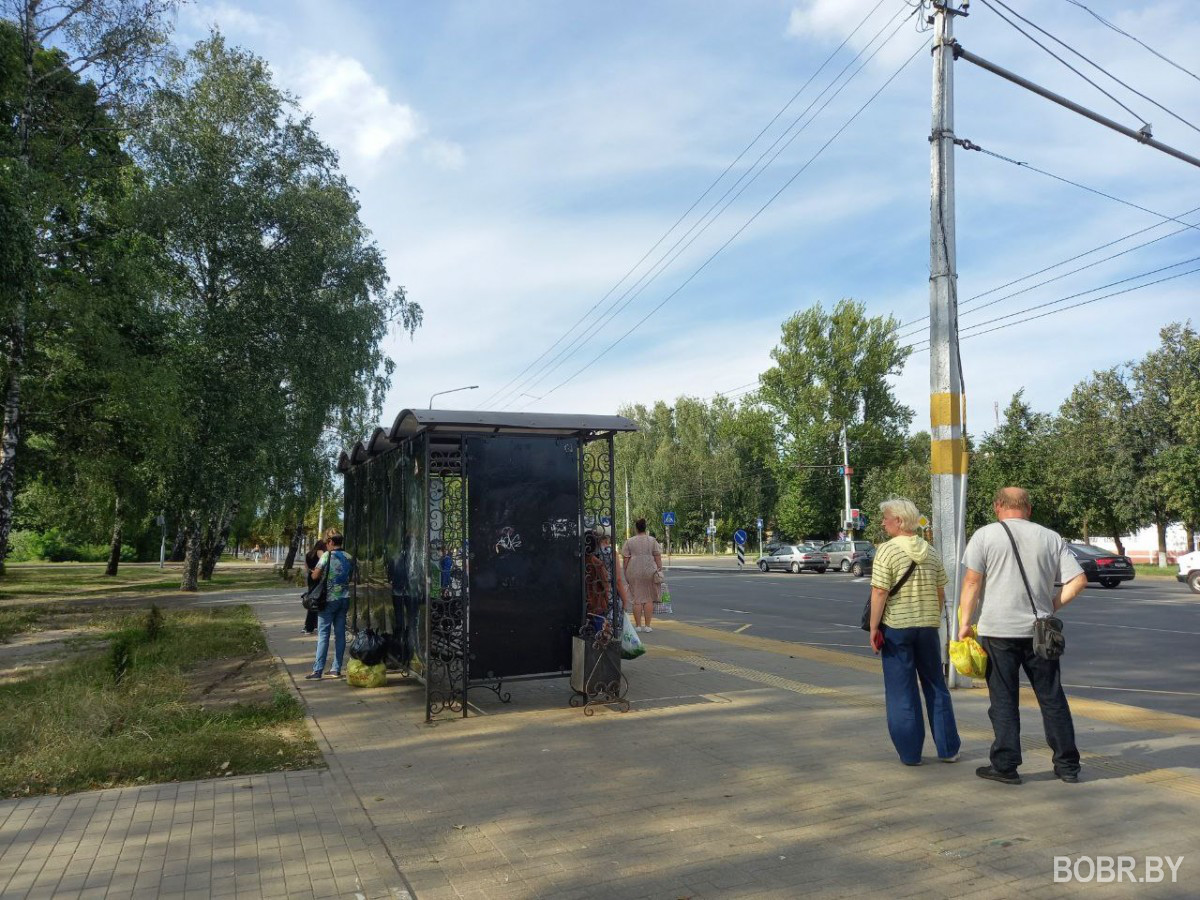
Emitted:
<point x="1101" y="710"/>
<point x="1100" y="687"/>
<point x="1131" y="627"/>
<point x="740" y="630"/>
<point x="738" y="611"/>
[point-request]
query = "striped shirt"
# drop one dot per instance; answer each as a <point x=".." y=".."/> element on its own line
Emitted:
<point x="915" y="605"/>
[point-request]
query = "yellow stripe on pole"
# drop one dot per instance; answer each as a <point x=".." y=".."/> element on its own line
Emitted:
<point x="945" y="409"/>
<point x="948" y="457"/>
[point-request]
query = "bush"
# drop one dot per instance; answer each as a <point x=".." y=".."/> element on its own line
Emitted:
<point x="53" y="546"/>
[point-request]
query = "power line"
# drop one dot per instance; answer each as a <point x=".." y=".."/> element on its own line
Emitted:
<point x="1108" y="24"/>
<point x="988" y="3"/>
<point x="917" y="348"/>
<point x="748" y="222"/>
<point x="720" y="206"/>
<point x="1038" y="43"/>
<point x="688" y="211"/>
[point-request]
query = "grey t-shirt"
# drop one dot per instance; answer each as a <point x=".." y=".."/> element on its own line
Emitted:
<point x="1006" y="611"/>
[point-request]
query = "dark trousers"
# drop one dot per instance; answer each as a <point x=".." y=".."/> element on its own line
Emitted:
<point x="310" y="621"/>
<point x="1006" y="658"/>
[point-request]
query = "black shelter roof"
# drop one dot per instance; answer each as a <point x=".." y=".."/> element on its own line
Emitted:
<point x="451" y="422"/>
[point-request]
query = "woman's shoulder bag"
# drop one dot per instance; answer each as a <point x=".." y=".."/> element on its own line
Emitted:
<point x="866" y="616"/>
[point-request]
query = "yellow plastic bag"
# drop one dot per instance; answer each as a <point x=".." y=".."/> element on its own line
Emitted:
<point x="360" y="675"/>
<point x="968" y="656"/>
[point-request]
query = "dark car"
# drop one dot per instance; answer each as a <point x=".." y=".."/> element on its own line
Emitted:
<point x="1103" y="566"/>
<point x="845" y="554"/>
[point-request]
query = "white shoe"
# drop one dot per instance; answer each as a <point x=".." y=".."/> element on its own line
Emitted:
<point x="949" y="759"/>
<point x="647" y="628"/>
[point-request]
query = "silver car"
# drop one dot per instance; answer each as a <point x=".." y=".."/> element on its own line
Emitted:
<point x="794" y="558"/>
<point x="844" y="554"/>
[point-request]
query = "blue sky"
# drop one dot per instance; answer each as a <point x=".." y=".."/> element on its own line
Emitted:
<point x="515" y="160"/>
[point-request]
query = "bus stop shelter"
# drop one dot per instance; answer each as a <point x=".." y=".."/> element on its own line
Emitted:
<point x="469" y="530"/>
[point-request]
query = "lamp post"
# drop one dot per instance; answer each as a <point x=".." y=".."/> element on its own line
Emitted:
<point x="469" y="387"/>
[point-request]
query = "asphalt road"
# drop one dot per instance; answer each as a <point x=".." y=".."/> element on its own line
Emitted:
<point x="1137" y="644"/>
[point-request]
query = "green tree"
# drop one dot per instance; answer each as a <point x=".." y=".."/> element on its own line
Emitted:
<point x="65" y="70"/>
<point x="832" y="370"/>
<point x="1096" y="459"/>
<point x="278" y="298"/>
<point x="907" y="476"/>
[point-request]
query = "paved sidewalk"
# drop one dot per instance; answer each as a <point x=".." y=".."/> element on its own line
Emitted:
<point x="747" y="768"/>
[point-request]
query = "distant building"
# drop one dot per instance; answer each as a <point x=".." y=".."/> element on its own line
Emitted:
<point x="1142" y="546"/>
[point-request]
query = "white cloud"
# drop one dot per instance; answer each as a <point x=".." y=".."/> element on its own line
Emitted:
<point x="352" y="110"/>
<point x="228" y="18"/>
<point x="445" y="154"/>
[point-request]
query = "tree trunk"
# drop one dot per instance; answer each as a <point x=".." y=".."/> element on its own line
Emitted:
<point x="1120" y="544"/>
<point x="1160" y="525"/>
<point x="10" y="433"/>
<point x="180" y="545"/>
<point x="1190" y="533"/>
<point x="114" y="552"/>
<point x="1086" y="536"/>
<point x="216" y="544"/>
<point x="294" y="546"/>
<point x="191" y="562"/>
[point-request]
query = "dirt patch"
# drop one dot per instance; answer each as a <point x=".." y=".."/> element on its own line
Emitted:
<point x="224" y="682"/>
<point x="31" y="652"/>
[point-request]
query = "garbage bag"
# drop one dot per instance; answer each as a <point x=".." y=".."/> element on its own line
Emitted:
<point x="368" y="647"/>
<point x="359" y="674"/>
<point x="631" y="645"/>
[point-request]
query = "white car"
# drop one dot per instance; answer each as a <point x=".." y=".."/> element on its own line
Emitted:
<point x="1189" y="570"/>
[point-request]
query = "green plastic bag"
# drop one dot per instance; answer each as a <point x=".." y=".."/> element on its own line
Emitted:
<point x="360" y="675"/>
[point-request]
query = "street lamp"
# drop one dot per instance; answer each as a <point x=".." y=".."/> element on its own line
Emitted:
<point x="469" y="387"/>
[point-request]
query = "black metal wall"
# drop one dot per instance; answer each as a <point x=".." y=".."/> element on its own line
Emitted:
<point x="525" y="579"/>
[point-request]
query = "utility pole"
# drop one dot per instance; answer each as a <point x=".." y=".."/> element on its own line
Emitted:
<point x="948" y="456"/>
<point x="321" y="518"/>
<point x="712" y="531"/>
<point x="846" y="478"/>
<point x="627" y="504"/>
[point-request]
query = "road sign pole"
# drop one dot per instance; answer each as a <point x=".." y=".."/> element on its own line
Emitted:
<point x="948" y="456"/>
<point x="668" y="527"/>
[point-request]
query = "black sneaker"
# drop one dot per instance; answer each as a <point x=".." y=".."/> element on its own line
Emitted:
<point x="1003" y="777"/>
<point x="312" y="676"/>
<point x="336" y="674"/>
<point x="1068" y="777"/>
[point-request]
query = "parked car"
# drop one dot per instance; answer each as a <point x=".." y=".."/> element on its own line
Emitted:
<point x="1189" y="570"/>
<point x="844" y="554"/>
<point x="794" y="558"/>
<point x="1103" y="566"/>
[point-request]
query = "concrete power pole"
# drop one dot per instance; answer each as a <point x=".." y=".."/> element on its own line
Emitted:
<point x="948" y="459"/>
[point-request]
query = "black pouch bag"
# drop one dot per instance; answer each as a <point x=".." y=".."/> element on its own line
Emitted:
<point x="866" y="616"/>
<point x="1049" y="642"/>
<point x="315" y="598"/>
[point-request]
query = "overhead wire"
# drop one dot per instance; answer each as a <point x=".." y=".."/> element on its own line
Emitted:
<point x="746" y="224"/>
<point x="917" y="347"/>
<point x="708" y="218"/>
<point x="502" y="391"/>
<point x="1047" y="50"/>
<point x="1095" y="65"/>
<point x="1099" y="18"/>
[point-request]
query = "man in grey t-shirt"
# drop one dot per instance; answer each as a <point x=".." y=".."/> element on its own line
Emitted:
<point x="994" y="578"/>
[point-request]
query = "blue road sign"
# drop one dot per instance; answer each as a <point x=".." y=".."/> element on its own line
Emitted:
<point x="712" y="529"/>
<point x="668" y="518"/>
<point x="739" y="537"/>
<point x="760" y="524"/>
<point x="841" y="470"/>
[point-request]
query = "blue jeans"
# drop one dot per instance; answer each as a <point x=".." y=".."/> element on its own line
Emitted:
<point x="332" y="616"/>
<point x="911" y="655"/>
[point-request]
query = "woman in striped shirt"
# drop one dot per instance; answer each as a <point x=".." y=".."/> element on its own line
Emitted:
<point x="904" y="626"/>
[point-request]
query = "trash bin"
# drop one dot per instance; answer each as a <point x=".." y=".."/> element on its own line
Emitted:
<point x="596" y="674"/>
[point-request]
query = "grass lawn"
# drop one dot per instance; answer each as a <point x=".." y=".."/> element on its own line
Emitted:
<point x="48" y="581"/>
<point x="1150" y="571"/>
<point x="132" y="713"/>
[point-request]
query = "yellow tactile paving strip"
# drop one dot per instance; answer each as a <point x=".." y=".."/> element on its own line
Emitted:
<point x="1116" y="766"/>
<point x="1100" y="710"/>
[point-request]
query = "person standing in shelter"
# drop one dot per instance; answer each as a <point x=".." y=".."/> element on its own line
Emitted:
<point x="1012" y="568"/>
<point x="643" y="574"/>
<point x="907" y="596"/>
<point x="310" y="562"/>
<point x="339" y="566"/>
